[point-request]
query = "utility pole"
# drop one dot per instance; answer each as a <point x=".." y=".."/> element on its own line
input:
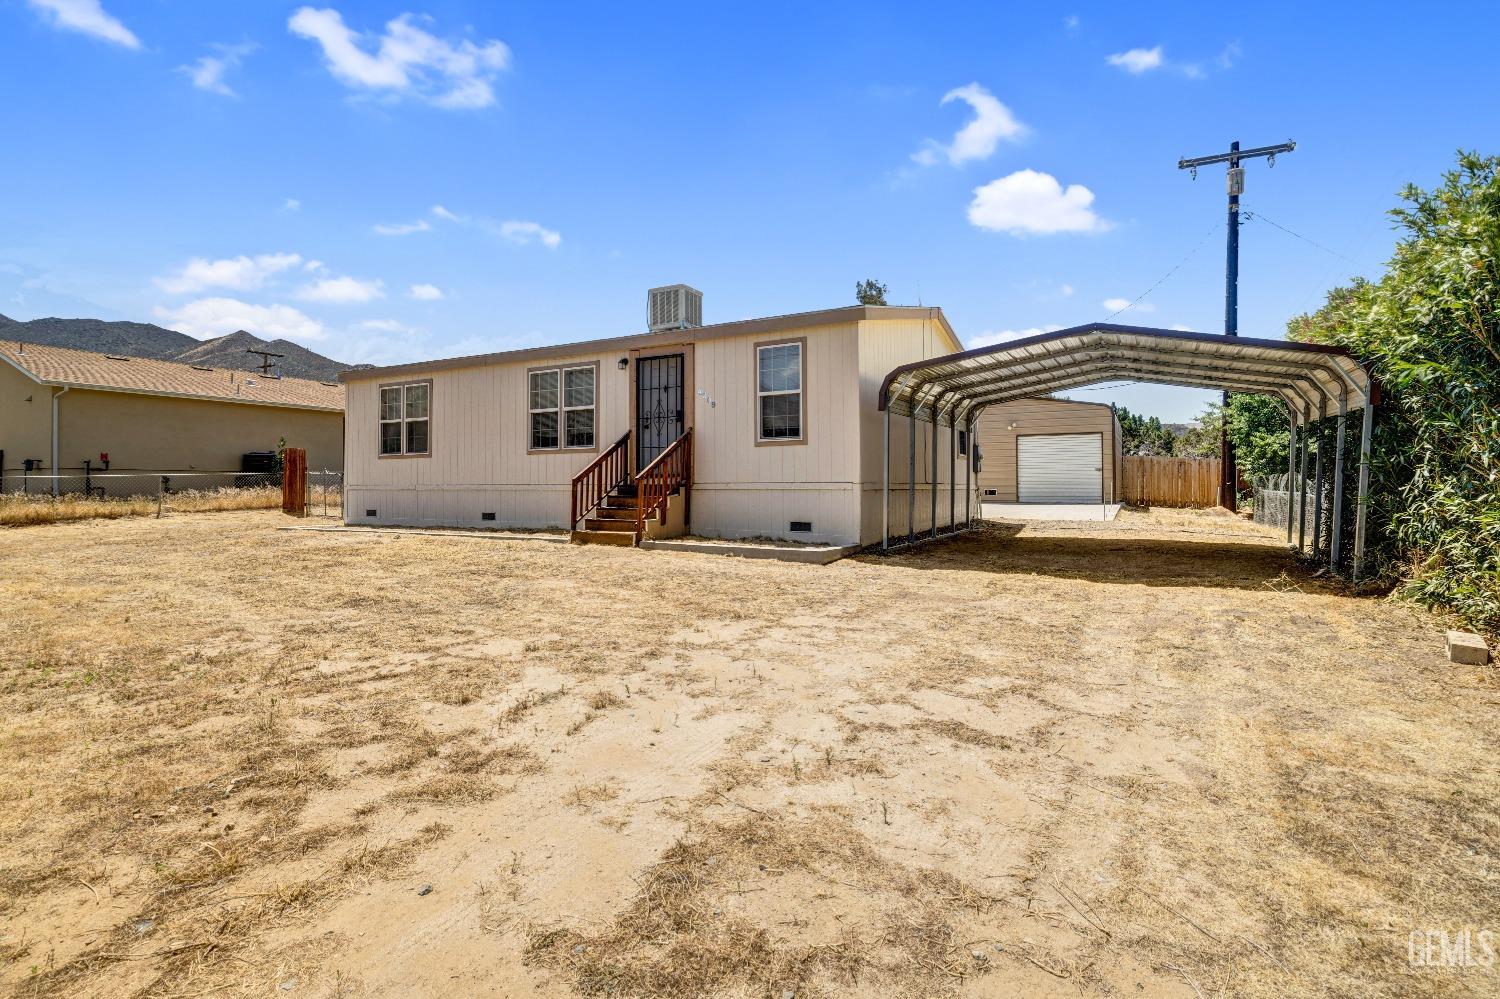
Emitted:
<point x="265" y="362"/>
<point x="1236" y="183"/>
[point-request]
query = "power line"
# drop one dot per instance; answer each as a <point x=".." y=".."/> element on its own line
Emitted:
<point x="1162" y="280"/>
<point x="1262" y="217"/>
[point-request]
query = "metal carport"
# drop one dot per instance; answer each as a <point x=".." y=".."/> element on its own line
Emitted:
<point x="1308" y="379"/>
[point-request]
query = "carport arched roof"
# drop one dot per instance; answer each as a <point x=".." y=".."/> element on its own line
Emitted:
<point x="955" y="385"/>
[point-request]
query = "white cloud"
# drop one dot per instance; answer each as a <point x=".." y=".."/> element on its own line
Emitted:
<point x="402" y="228"/>
<point x="342" y="291"/>
<point x="1029" y="202"/>
<point x="1071" y="23"/>
<point x="1066" y="291"/>
<point x="445" y="214"/>
<point x="239" y="273"/>
<point x="210" y="317"/>
<point x="426" y="292"/>
<point x="291" y="206"/>
<point x="208" y="72"/>
<point x="87" y="17"/>
<point x="315" y="265"/>
<point x="978" y="138"/>
<point x="387" y="326"/>
<point x="527" y="232"/>
<point x="1121" y="304"/>
<point x="989" y="338"/>
<point x="1229" y="56"/>
<point x="406" y="59"/>
<point x="1137" y="61"/>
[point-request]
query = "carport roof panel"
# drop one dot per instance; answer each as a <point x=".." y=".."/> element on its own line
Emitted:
<point x="1041" y="365"/>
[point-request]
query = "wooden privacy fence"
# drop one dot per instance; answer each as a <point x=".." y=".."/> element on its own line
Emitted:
<point x="1152" y="481"/>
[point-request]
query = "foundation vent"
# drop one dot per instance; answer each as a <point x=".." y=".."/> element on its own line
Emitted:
<point x="371" y="513"/>
<point x="800" y="527"/>
<point x="487" y="515"/>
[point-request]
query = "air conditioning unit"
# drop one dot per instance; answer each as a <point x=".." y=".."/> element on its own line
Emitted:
<point x="674" y="307"/>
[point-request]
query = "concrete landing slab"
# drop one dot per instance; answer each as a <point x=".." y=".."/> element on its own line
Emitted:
<point x="437" y="532"/>
<point x="811" y="554"/>
<point x="1049" y="511"/>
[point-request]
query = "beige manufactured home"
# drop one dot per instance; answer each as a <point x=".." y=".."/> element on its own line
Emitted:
<point x="1049" y="451"/>
<point x="62" y="410"/>
<point x="759" y="428"/>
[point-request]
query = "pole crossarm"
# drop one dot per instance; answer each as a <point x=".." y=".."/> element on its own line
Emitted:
<point x="1235" y="155"/>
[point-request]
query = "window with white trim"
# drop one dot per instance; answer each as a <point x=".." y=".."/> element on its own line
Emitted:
<point x="778" y="389"/>
<point x="405" y="416"/>
<point x="562" y="405"/>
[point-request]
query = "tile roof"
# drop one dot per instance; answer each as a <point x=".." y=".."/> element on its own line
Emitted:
<point x="87" y="369"/>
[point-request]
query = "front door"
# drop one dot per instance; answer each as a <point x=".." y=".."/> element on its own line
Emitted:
<point x="658" y="406"/>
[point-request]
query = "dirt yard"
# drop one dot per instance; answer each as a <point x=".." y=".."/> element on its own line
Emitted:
<point x="1142" y="758"/>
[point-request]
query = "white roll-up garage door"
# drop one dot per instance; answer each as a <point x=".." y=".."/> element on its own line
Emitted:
<point x="1060" y="468"/>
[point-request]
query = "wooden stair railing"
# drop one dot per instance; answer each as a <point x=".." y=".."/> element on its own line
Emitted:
<point x="599" y="479"/>
<point x="672" y="469"/>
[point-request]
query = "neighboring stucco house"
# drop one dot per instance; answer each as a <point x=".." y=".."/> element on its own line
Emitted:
<point x="61" y="408"/>
<point x="1050" y="451"/>
<point x="773" y="425"/>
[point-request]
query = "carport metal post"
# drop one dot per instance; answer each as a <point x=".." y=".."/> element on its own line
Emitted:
<point x="952" y="474"/>
<point x="911" y="473"/>
<point x="969" y="475"/>
<point x="1318" y="482"/>
<point x="885" y="482"/>
<point x="933" y="487"/>
<point x="1362" y="500"/>
<point x="1302" y="484"/>
<point x="1336" y="532"/>
<point x="1291" y="464"/>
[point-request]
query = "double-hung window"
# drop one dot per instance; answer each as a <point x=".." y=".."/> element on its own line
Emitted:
<point x="405" y="416"/>
<point x="778" y="389"/>
<point x="561" y="402"/>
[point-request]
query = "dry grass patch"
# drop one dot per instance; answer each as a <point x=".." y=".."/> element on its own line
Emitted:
<point x="685" y="932"/>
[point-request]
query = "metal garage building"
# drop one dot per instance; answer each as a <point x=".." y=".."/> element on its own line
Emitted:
<point x="1049" y="451"/>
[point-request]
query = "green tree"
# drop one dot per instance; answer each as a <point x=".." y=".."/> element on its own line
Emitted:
<point x="870" y="292"/>
<point x="1143" y="435"/>
<point x="1428" y="329"/>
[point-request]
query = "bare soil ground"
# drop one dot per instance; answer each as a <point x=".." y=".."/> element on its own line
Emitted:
<point x="1146" y="757"/>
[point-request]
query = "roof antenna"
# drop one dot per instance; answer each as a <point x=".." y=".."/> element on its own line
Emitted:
<point x="265" y="362"/>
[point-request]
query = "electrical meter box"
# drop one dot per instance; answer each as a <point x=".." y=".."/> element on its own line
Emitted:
<point x="1236" y="180"/>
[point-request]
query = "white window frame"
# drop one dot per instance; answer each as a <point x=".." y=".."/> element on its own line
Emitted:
<point x="402" y="420"/>
<point x="800" y="392"/>
<point x="562" y="409"/>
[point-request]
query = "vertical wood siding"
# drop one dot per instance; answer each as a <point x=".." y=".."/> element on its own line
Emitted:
<point x="742" y="489"/>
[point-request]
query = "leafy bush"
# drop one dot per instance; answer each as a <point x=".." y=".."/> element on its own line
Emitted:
<point x="1428" y="330"/>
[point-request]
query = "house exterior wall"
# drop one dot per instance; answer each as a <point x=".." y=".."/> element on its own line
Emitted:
<point x="742" y="487"/>
<point x="997" y="441"/>
<point x="883" y="346"/>
<point x="170" y="434"/>
<point x="154" y="433"/>
<point x="25" y="427"/>
<point x="479" y="460"/>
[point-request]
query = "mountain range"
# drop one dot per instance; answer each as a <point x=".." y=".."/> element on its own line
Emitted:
<point x="147" y="340"/>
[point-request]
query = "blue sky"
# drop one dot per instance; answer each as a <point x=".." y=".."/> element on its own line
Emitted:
<point x="390" y="181"/>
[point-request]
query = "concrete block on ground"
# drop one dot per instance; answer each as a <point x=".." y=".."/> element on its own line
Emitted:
<point x="1467" y="648"/>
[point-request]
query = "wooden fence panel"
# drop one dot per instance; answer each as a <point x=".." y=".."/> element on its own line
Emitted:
<point x="1152" y="481"/>
<point x="294" y="482"/>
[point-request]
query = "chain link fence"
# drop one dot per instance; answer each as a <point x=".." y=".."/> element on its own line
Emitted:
<point x="37" y="498"/>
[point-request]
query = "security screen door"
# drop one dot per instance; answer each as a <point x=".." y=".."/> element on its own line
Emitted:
<point x="659" y="406"/>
